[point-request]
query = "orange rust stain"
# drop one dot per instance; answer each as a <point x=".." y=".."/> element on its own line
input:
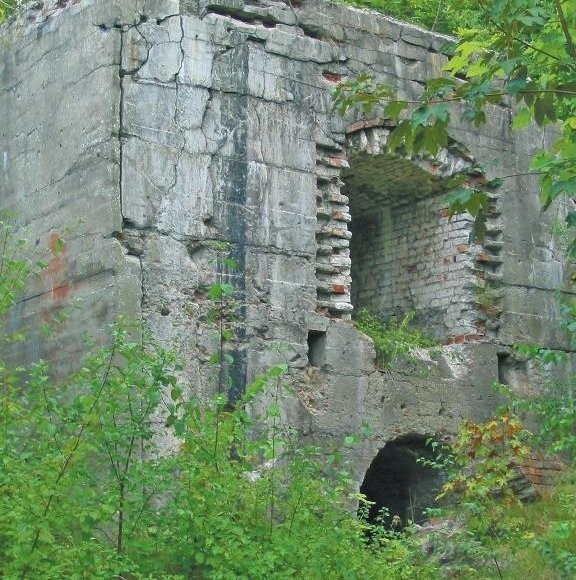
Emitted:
<point x="61" y="293"/>
<point x="55" y="272"/>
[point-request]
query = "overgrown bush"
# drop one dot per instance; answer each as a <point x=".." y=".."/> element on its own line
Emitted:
<point x="86" y="493"/>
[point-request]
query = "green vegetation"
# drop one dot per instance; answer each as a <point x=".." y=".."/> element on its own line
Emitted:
<point x="447" y="16"/>
<point x="7" y="8"/>
<point x="546" y="546"/>
<point x="489" y="532"/>
<point x="392" y="339"/>
<point x="86" y="493"/>
<point x="509" y="539"/>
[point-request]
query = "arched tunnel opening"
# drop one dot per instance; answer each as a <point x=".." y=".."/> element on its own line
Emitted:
<point x="400" y="484"/>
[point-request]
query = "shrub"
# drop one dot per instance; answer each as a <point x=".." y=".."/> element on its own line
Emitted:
<point x="392" y="339"/>
<point x="86" y="493"/>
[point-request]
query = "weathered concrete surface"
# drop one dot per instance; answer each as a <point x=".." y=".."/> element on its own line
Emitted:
<point x="144" y="131"/>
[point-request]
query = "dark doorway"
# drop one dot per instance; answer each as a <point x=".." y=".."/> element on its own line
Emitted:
<point x="400" y="482"/>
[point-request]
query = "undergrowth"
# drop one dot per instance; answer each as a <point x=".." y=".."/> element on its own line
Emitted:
<point x="85" y="491"/>
<point x="546" y="546"/>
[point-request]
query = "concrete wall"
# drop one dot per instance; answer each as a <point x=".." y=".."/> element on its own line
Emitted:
<point x="144" y="131"/>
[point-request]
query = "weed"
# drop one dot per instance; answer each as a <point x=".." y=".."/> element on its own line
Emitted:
<point x="392" y="339"/>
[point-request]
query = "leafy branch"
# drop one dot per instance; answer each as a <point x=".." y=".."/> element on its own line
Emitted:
<point x="489" y="66"/>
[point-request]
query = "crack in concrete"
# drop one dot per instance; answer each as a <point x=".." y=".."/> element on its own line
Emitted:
<point x="142" y="285"/>
<point x="121" y="129"/>
<point x="182" y="54"/>
<point x="65" y="285"/>
<point x="124" y="29"/>
<point x="134" y="71"/>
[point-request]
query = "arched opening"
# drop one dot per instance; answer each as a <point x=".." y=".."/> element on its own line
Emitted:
<point x="406" y="253"/>
<point x="401" y="482"/>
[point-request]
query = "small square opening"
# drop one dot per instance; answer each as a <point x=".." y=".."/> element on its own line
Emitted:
<point x="316" y="348"/>
<point x="503" y="367"/>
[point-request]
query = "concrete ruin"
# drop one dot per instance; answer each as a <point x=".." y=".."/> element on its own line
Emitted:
<point x="144" y="131"/>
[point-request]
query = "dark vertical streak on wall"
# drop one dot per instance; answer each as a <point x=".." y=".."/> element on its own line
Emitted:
<point x="234" y="224"/>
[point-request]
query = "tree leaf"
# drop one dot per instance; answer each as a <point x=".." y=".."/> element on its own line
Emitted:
<point x="420" y="116"/>
<point x="393" y="109"/>
<point x="522" y="118"/>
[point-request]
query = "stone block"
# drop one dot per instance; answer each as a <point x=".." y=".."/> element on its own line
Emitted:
<point x="289" y="281"/>
<point x="281" y="135"/>
<point x="198" y="53"/>
<point x="531" y="315"/>
<point x="171" y="270"/>
<point x="281" y="205"/>
<point x="134" y="50"/>
<point x="149" y="171"/>
<point x="189" y="214"/>
<point x="191" y="103"/>
<point x="149" y="113"/>
<point x="300" y="48"/>
<point x="348" y="352"/>
<point x="230" y="70"/>
<point x="158" y="9"/>
<point x="164" y="50"/>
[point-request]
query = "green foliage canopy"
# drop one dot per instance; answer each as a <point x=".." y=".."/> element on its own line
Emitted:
<point x="524" y="55"/>
<point x="446" y="16"/>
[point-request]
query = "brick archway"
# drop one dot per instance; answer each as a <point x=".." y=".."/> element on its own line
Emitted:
<point x="406" y="253"/>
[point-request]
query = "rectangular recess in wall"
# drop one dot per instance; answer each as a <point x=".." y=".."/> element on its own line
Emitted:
<point x="316" y="348"/>
<point x="503" y="364"/>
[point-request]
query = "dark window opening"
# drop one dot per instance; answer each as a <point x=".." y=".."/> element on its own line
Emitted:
<point x="512" y="372"/>
<point x="316" y="348"/>
<point x="398" y="481"/>
<point x="503" y="363"/>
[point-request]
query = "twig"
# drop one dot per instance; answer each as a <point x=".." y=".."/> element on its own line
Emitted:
<point x="565" y="30"/>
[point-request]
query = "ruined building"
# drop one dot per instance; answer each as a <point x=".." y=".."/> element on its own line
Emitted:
<point x="144" y="131"/>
